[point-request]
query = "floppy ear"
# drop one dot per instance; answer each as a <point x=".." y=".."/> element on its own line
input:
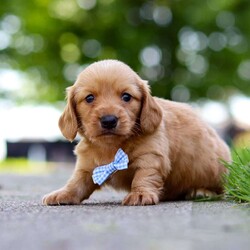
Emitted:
<point x="151" y="114"/>
<point x="68" y="121"/>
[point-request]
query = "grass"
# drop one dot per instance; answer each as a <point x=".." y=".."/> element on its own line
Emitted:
<point x="23" y="166"/>
<point x="237" y="182"/>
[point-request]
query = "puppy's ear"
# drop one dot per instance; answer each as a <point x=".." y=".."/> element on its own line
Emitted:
<point x="151" y="114"/>
<point x="68" y="121"/>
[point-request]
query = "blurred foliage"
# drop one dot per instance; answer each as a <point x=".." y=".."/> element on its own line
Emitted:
<point x="186" y="49"/>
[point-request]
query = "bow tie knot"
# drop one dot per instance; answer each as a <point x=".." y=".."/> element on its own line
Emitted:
<point x="101" y="174"/>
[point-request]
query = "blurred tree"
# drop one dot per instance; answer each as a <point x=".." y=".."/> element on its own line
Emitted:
<point x="186" y="49"/>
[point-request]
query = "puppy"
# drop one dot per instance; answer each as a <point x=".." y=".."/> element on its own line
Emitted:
<point x="172" y="153"/>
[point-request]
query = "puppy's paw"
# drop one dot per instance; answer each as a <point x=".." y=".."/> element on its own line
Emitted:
<point x="60" y="197"/>
<point x="140" y="199"/>
<point x="200" y="193"/>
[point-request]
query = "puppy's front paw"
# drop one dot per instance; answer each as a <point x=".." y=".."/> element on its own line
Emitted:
<point x="140" y="199"/>
<point x="61" y="197"/>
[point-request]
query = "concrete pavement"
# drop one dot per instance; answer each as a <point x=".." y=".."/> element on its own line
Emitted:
<point x="102" y="223"/>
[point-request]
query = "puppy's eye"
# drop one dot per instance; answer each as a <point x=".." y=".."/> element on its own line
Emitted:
<point x="89" y="98"/>
<point x="126" y="97"/>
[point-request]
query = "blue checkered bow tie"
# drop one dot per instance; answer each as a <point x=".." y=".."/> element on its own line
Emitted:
<point x="101" y="174"/>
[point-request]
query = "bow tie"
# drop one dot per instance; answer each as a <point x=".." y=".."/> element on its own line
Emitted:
<point x="101" y="174"/>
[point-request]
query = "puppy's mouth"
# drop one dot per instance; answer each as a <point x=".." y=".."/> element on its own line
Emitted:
<point x="111" y="133"/>
<point x="108" y="133"/>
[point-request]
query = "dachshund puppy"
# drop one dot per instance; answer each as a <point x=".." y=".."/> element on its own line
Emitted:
<point x="172" y="153"/>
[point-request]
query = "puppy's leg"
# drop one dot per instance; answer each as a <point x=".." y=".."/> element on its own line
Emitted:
<point x="200" y="193"/>
<point x="79" y="187"/>
<point x="147" y="185"/>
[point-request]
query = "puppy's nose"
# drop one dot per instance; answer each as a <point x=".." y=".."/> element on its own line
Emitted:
<point x="109" y="121"/>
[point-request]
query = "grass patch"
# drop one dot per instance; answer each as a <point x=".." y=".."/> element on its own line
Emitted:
<point x="23" y="166"/>
<point x="237" y="182"/>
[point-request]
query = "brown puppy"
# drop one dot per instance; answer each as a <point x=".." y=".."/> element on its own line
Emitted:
<point x="172" y="153"/>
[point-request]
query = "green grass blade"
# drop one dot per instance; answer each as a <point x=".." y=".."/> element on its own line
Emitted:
<point x="237" y="182"/>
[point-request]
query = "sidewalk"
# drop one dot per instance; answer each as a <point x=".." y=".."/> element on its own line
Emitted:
<point x="102" y="223"/>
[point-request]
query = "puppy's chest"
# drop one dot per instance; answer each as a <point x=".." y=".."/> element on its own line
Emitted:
<point x="103" y="160"/>
<point x="121" y="179"/>
<point x="118" y="179"/>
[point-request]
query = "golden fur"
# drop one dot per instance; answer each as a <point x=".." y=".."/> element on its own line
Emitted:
<point x="172" y="153"/>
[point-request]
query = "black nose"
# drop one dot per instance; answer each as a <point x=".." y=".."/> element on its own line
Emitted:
<point x="109" y="121"/>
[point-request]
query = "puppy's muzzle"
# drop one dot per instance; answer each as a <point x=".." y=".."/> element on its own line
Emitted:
<point x="109" y="121"/>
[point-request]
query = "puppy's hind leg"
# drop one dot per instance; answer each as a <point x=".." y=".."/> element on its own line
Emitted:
<point x="200" y="193"/>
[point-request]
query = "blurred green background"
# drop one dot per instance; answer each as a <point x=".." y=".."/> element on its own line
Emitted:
<point x="186" y="49"/>
<point x="190" y="51"/>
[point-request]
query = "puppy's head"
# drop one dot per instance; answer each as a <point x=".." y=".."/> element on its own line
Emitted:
<point x="109" y="102"/>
